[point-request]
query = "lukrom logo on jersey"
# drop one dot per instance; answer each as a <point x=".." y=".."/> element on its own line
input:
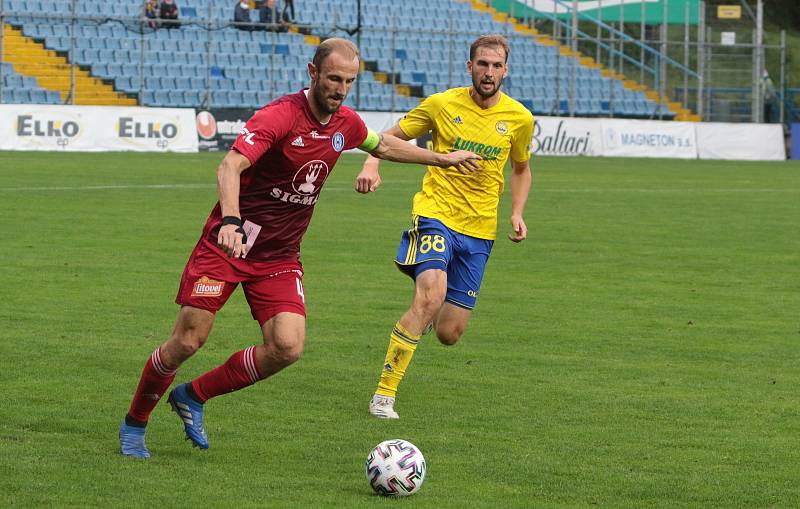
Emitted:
<point x="488" y="152"/>
<point x="59" y="128"/>
<point x="307" y="183"/>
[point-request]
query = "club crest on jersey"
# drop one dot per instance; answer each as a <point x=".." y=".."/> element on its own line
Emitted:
<point x="309" y="178"/>
<point x="501" y="127"/>
<point x="205" y="287"/>
<point x="338" y="141"/>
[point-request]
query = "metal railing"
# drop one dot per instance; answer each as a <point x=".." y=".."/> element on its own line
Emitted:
<point x="669" y="56"/>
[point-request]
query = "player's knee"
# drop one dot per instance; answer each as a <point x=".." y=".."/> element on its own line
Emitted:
<point x="448" y="337"/>
<point x="181" y="347"/>
<point x="290" y="355"/>
<point x="188" y="337"/>
<point x="285" y="353"/>
<point x="188" y="346"/>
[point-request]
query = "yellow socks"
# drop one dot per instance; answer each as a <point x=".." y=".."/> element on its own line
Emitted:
<point x="401" y="348"/>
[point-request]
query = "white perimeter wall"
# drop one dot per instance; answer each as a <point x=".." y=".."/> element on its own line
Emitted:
<point x="101" y="128"/>
<point x="564" y="136"/>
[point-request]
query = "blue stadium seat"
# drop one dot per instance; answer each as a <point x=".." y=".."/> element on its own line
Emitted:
<point x="12" y="80"/>
<point x="175" y="98"/>
<point x="220" y="60"/>
<point x="250" y="99"/>
<point x="162" y="98"/>
<point x="193" y="34"/>
<point x="52" y="97"/>
<point x="196" y="59"/>
<point x="193" y="97"/>
<point x="122" y="55"/>
<point x="197" y="83"/>
<point x="131" y="69"/>
<point x="253" y="84"/>
<point x="237" y="60"/>
<point x="21" y="96"/>
<point x="124" y="84"/>
<point x="147" y="98"/>
<point x="224" y="84"/>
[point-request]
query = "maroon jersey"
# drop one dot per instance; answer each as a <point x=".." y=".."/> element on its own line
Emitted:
<point x="291" y="155"/>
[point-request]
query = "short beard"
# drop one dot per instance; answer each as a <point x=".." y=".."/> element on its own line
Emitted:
<point x="322" y="104"/>
<point x="476" y="85"/>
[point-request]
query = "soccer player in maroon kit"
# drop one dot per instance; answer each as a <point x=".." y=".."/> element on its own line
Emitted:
<point x="267" y="187"/>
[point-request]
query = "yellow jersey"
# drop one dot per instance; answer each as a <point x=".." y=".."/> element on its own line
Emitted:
<point x="468" y="203"/>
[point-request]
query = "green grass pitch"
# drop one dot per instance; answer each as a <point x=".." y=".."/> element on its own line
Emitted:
<point x="640" y="349"/>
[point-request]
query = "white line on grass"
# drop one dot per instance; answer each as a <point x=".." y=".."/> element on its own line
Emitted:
<point x="348" y="188"/>
<point x="108" y="187"/>
<point x="133" y="186"/>
<point x="666" y="191"/>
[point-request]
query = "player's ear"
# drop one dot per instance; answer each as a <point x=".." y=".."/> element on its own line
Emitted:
<point x="312" y="71"/>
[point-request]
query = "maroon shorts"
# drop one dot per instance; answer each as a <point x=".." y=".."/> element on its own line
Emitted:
<point x="210" y="277"/>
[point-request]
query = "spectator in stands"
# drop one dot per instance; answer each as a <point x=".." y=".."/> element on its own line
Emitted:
<point x="768" y="96"/>
<point x="169" y="12"/>
<point x="269" y="14"/>
<point x="151" y="13"/>
<point x="241" y="15"/>
<point x="288" y="5"/>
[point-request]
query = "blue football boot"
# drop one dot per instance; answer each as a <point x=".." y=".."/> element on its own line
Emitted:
<point x="131" y="441"/>
<point x="191" y="413"/>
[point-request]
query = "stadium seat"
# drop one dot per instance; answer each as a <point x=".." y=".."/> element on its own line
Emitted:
<point x="161" y="98"/>
<point x="175" y="98"/>
<point x="263" y="64"/>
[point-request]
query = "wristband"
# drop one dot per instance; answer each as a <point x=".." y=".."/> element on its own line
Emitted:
<point x="232" y="220"/>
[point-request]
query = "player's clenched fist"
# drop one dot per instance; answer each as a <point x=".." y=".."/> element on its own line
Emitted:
<point x="520" y="229"/>
<point x="369" y="179"/>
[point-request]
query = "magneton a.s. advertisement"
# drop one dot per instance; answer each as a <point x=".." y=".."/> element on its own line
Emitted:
<point x="643" y="138"/>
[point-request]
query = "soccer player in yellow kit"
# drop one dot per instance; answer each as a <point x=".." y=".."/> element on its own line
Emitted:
<point x="454" y="216"/>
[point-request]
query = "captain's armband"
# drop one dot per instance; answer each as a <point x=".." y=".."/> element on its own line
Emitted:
<point x="371" y="142"/>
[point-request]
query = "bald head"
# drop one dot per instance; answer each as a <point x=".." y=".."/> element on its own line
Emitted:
<point x="342" y="47"/>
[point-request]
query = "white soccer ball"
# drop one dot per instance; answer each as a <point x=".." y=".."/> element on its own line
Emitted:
<point x="395" y="468"/>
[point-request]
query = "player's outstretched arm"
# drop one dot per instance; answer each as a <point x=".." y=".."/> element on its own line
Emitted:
<point x="398" y="150"/>
<point x="520" y="186"/>
<point x="369" y="179"/>
<point x="228" y="180"/>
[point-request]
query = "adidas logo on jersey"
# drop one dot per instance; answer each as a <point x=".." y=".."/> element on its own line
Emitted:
<point x="458" y="120"/>
<point x="298" y="142"/>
